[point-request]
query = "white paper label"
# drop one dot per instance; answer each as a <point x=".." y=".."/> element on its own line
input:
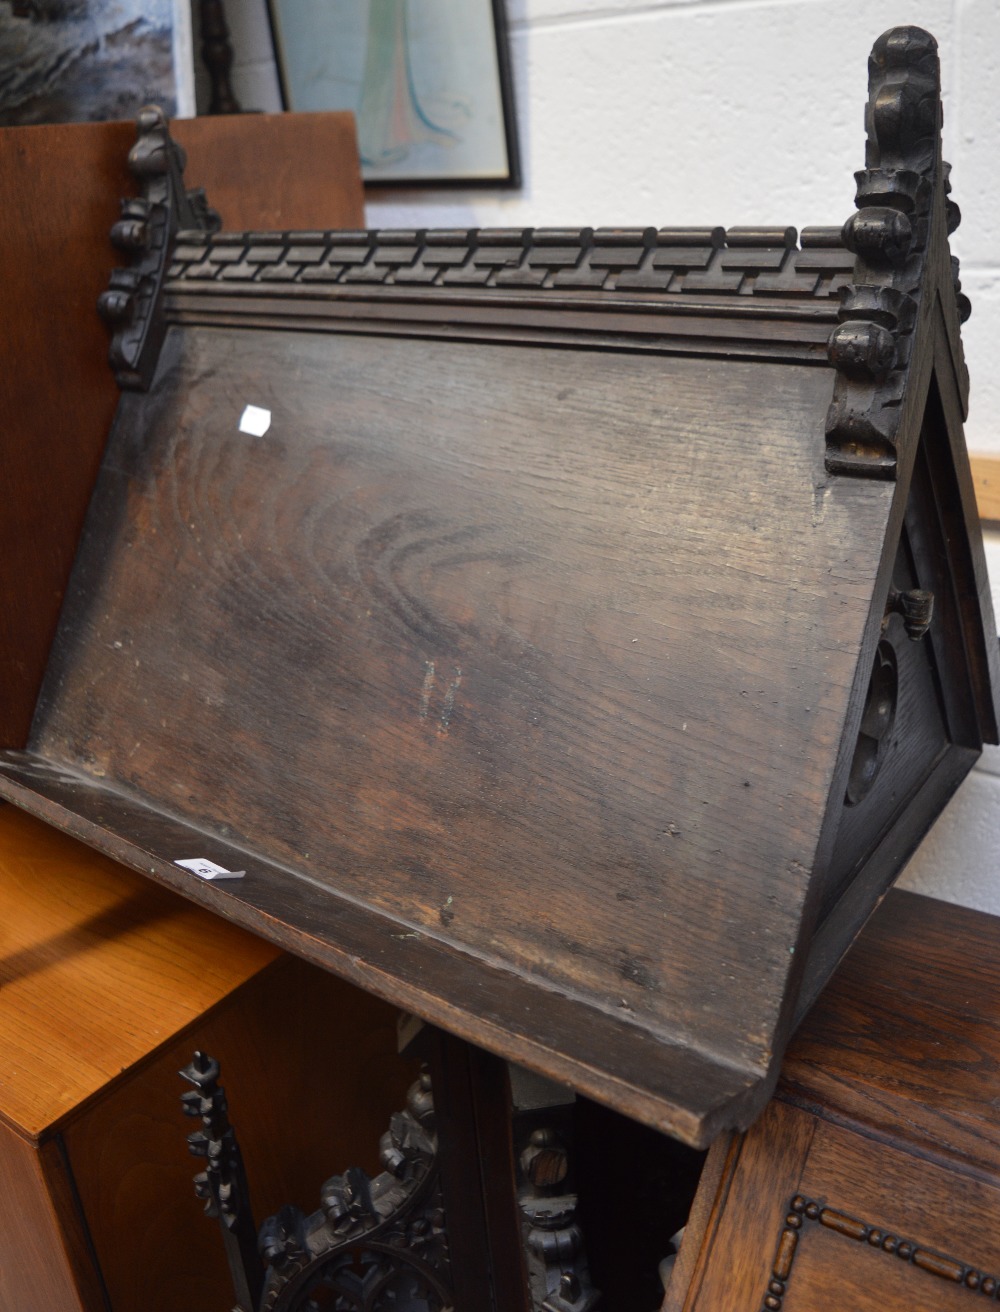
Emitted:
<point x="204" y="869"/>
<point x="255" y="421"/>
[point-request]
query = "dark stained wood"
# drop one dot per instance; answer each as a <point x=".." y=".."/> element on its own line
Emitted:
<point x="467" y="1127"/>
<point x="490" y="1087"/>
<point x="60" y="189"/>
<point x="885" y="1118"/>
<point x="523" y="660"/>
<point x="531" y="285"/>
<point x="483" y="625"/>
<point x="414" y="970"/>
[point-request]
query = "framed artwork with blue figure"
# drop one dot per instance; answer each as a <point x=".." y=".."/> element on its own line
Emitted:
<point x="428" y="80"/>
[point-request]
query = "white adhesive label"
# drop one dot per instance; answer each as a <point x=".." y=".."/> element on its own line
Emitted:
<point x="255" y="420"/>
<point x="204" y="869"/>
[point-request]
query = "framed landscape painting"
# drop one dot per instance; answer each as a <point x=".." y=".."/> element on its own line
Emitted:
<point x="65" y="61"/>
<point x="428" y="81"/>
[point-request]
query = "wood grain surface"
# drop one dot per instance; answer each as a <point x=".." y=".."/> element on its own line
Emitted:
<point x="758" y="1181"/>
<point x="906" y="1037"/>
<point x="97" y="968"/>
<point x="60" y="187"/>
<point x="310" y="162"/>
<point x="40" y="1237"/>
<point x="508" y="670"/>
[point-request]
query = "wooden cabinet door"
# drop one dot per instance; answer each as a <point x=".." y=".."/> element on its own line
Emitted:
<point x="808" y="1216"/>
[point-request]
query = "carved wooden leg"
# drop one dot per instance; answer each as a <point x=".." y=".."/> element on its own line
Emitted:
<point x="558" y="1271"/>
<point x="223" y="1183"/>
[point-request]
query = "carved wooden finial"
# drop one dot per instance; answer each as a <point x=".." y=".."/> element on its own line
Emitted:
<point x="146" y="233"/>
<point x="898" y="195"/>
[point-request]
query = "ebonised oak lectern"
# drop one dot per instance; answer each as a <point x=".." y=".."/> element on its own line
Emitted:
<point x="578" y="635"/>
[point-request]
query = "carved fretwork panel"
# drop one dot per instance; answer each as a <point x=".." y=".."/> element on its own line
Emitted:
<point x="376" y="1244"/>
<point x="765" y="263"/>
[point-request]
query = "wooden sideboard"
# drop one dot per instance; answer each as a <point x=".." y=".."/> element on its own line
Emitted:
<point x="872" y="1181"/>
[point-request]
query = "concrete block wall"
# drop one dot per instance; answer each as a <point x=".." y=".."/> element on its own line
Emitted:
<point x="640" y="112"/>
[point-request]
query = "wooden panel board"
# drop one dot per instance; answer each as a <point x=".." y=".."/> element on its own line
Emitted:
<point x="37" y="1273"/>
<point x="59" y="190"/>
<point x="884" y="1229"/>
<point x="904" y="1038"/>
<point x="737" y="1249"/>
<point x="276" y="172"/>
<point x="59" y="193"/>
<point x="512" y="675"/>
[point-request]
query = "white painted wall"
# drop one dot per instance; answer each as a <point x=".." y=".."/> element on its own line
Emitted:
<point x="673" y="112"/>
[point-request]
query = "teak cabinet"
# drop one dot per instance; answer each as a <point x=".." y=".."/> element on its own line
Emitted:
<point x="107" y="985"/>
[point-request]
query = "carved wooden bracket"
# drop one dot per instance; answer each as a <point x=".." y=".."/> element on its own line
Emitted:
<point x="897" y="193"/>
<point x="146" y="232"/>
<point x="375" y="1243"/>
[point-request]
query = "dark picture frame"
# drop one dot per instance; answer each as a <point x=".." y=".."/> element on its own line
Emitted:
<point x="430" y="84"/>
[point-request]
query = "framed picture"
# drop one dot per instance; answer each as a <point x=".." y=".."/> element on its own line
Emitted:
<point x="428" y="80"/>
<point x="65" y="61"/>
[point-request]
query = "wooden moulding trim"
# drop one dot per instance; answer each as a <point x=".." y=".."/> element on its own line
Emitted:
<point x="662" y="1081"/>
<point x="662" y="333"/>
<point x="802" y="1211"/>
<point x="768" y="301"/>
<point x="748" y="266"/>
